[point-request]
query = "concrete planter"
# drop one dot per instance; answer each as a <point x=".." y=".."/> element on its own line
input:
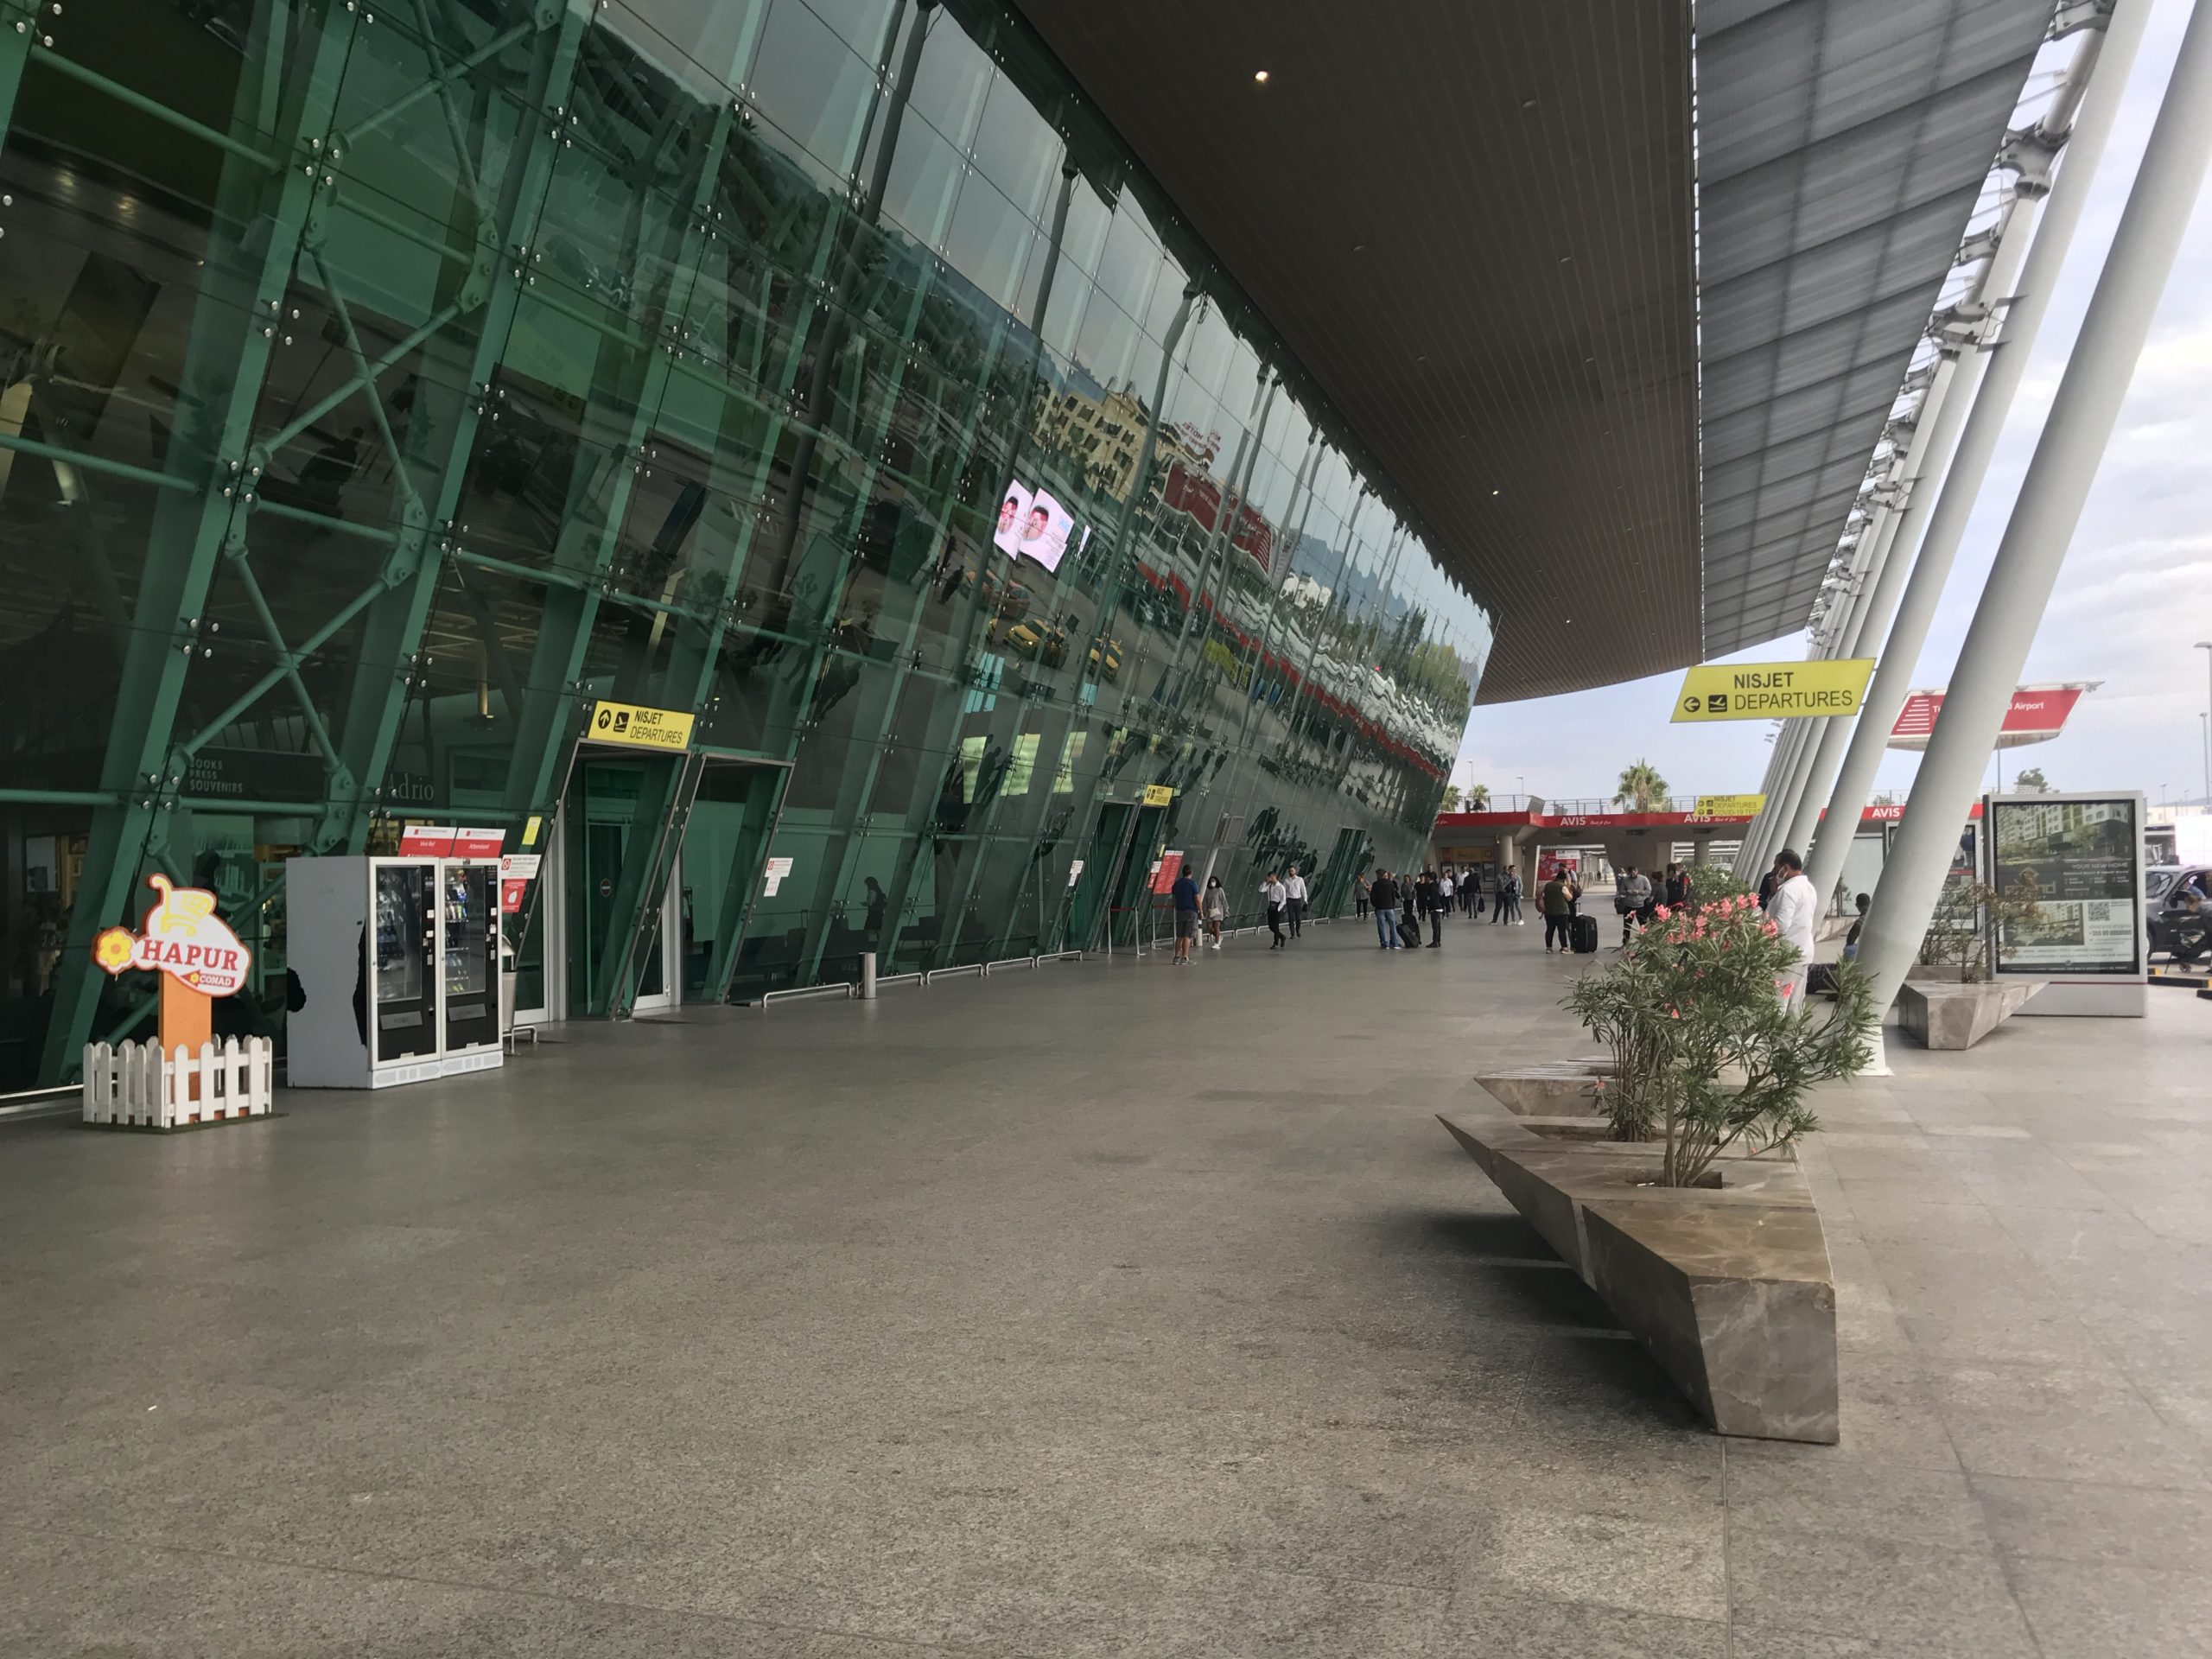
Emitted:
<point x="1945" y="1015"/>
<point x="1728" y="1288"/>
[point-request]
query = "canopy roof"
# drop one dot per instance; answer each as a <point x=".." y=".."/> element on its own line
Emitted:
<point x="1477" y="224"/>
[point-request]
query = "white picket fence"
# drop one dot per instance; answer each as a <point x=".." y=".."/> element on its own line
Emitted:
<point x="135" y="1085"/>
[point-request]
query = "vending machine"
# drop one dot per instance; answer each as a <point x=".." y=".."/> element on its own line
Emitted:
<point x="395" y="963"/>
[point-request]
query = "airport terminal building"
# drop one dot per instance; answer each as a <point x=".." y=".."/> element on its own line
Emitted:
<point x="824" y="476"/>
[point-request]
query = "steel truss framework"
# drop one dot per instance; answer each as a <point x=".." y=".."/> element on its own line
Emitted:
<point x="761" y="341"/>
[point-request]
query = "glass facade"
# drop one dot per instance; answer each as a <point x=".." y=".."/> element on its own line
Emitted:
<point x="382" y="388"/>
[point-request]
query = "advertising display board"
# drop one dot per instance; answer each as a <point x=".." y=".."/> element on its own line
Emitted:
<point x="1033" y="524"/>
<point x="2086" y="851"/>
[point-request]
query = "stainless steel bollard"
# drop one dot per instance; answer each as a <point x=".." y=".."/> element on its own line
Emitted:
<point x="868" y="976"/>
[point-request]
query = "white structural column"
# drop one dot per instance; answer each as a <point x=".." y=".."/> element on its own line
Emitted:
<point x="1935" y="435"/>
<point x="1780" y="767"/>
<point x="1799" y="734"/>
<point x="2107" y="57"/>
<point x="2047" y="510"/>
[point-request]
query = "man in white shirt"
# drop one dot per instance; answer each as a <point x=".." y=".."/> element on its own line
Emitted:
<point x="1293" y="887"/>
<point x="1277" y="896"/>
<point x="1794" y="910"/>
<point x="1446" y="885"/>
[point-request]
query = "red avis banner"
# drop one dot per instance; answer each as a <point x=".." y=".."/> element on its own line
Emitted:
<point x="2037" y="715"/>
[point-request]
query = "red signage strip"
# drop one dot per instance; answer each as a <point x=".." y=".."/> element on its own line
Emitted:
<point x="2037" y="714"/>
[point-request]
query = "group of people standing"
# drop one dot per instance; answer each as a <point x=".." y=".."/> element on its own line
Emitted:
<point x="1283" y="892"/>
<point x="1400" y="901"/>
<point x="1637" y="896"/>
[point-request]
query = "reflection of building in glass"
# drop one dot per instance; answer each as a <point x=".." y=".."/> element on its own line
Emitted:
<point x="1102" y="438"/>
<point x="323" y="511"/>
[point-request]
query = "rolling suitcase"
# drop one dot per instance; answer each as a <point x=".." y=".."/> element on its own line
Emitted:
<point x="1582" y="934"/>
<point x="1409" y="930"/>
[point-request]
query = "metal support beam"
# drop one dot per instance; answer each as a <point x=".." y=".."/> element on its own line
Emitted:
<point x="391" y="637"/>
<point x="2046" y="512"/>
<point x="2085" y="108"/>
<point x="233" y="331"/>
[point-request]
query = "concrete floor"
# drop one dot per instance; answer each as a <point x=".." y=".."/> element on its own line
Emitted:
<point x="1109" y="1309"/>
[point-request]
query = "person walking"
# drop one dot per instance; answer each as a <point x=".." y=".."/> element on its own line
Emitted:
<point x="1215" y="910"/>
<point x="1359" y="896"/>
<point x="1632" y="895"/>
<point x="1795" y="912"/>
<point x="1509" y="900"/>
<point x="1276" y="896"/>
<point x="1471" y="892"/>
<point x="1383" y="895"/>
<point x="1185" y="895"/>
<point x="1429" y="893"/>
<point x="1446" y="885"/>
<point x="1558" y="903"/>
<point x="1293" y="886"/>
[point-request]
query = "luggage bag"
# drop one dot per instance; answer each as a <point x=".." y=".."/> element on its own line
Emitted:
<point x="1582" y="934"/>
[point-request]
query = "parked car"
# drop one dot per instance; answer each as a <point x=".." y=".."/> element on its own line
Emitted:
<point x="2171" y="927"/>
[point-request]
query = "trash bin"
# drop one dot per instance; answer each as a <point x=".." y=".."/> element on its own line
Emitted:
<point x="509" y="977"/>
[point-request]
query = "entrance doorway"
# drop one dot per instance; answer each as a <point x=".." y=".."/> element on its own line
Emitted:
<point x="1116" y="875"/>
<point x="612" y="937"/>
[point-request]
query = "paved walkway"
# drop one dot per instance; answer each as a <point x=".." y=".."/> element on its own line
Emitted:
<point x="1109" y="1309"/>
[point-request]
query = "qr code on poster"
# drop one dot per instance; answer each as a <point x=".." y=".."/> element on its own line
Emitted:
<point x="2099" y="909"/>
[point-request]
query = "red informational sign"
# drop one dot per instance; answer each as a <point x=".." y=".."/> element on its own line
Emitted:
<point x="443" y="841"/>
<point x="2037" y="715"/>
<point x="513" y="890"/>
<point x="1164" y="873"/>
<point x="1549" y="865"/>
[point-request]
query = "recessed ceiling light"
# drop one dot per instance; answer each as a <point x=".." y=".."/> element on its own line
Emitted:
<point x="1260" y="76"/>
<point x="1493" y="491"/>
<point x="1528" y="103"/>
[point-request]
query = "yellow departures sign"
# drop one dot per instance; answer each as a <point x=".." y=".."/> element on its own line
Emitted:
<point x="1774" y="690"/>
<point x="642" y="728"/>
<point x="1728" y="806"/>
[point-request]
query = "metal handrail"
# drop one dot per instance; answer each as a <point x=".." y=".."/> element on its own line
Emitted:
<point x="844" y="987"/>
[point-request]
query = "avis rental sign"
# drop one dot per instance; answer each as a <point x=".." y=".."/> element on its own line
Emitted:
<point x="183" y="937"/>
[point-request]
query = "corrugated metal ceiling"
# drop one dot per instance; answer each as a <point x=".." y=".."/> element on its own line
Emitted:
<point x="1842" y="146"/>
<point x="1473" y="221"/>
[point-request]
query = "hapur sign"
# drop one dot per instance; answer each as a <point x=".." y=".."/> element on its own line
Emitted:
<point x="182" y="937"/>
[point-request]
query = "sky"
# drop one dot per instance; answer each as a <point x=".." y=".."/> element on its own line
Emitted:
<point x="2133" y="599"/>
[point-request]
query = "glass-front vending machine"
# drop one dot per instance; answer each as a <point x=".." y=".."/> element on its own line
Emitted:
<point x="393" y="970"/>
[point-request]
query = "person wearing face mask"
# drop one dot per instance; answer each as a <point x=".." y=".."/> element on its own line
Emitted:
<point x="1216" y="910"/>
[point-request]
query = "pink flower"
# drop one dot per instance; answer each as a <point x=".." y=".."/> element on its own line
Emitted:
<point x="1662" y="912"/>
<point x="1769" y="928"/>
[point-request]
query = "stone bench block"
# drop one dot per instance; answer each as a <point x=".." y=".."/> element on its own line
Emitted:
<point x="1729" y="1288"/>
<point x="1947" y="1015"/>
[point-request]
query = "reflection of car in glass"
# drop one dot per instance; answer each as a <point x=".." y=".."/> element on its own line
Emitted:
<point x="2171" y="928"/>
<point x="1012" y="604"/>
<point x="1037" y="637"/>
<point x="1113" y="662"/>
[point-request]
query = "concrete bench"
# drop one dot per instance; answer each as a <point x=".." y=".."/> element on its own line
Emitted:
<point x="1728" y="1288"/>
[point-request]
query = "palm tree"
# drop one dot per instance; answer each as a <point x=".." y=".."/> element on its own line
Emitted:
<point x="1451" y="797"/>
<point x="1477" y="799"/>
<point x="1643" y="790"/>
